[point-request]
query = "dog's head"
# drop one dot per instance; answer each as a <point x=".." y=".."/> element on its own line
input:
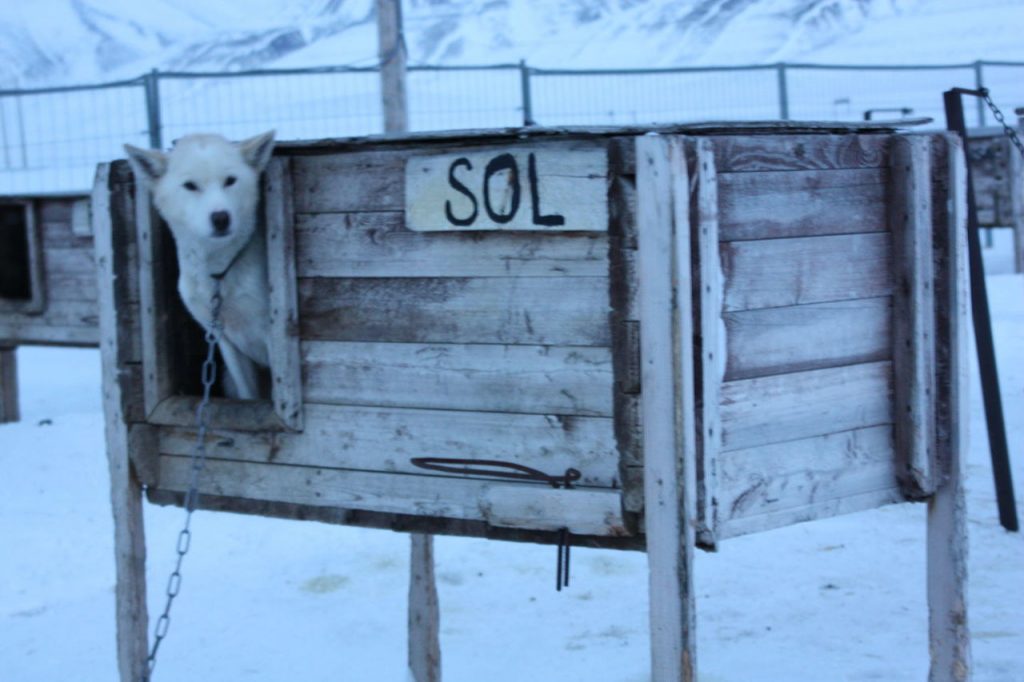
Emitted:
<point x="206" y="188"/>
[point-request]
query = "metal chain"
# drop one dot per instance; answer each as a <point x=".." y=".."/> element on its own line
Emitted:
<point x="198" y="462"/>
<point x="1010" y="132"/>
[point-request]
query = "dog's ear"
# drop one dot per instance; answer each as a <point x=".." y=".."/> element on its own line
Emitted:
<point x="257" y="150"/>
<point x="148" y="163"/>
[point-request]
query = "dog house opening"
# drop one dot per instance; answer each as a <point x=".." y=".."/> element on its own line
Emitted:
<point x="15" y="253"/>
<point x="174" y="344"/>
<point x="21" y="268"/>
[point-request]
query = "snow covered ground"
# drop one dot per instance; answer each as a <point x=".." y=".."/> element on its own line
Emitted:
<point x="270" y="600"/>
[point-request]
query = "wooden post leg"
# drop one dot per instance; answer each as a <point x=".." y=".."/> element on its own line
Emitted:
<point x="130" y="564"/>
<point x="125" y="488"/>
<point x="667" y="402"/>
<point x="424" y="614"/>
<point x="949" y="634"/>
<point x="9" y="411"/>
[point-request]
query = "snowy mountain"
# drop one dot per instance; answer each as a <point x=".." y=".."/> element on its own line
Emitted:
<point x="74" y="41"/>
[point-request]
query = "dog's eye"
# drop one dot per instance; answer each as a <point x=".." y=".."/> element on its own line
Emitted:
<point x="191" y="186"/>
<point x="230" y="180"/>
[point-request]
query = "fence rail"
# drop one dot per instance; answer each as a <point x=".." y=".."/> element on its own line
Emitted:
<point x="51" y="138"/>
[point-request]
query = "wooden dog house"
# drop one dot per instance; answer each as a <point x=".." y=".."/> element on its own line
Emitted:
<point x="722" y="328"/>
<point x="47" y="281"/>
<point x="998" y="173"/>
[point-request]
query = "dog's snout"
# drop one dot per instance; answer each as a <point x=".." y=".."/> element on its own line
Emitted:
<point x="221" y="222"/>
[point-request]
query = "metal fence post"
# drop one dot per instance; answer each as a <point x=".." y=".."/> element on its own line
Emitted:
<point x="783" y="91"/>
<point x="151" y="83"/>
<point x="979" y="83"/>
<point x="524" y="80"/>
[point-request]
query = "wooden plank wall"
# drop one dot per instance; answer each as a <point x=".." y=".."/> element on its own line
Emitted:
<point x="467" y="345"/>
<point x="69" y="315"/>
<point x="997" y="173"/>
<point x="807" y="384"/>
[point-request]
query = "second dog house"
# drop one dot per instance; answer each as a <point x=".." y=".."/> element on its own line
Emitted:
<point x="47" y="281"/>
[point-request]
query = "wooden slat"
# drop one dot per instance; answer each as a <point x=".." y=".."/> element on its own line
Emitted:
<point x="798" y="338"/>
<point x="152" y="294"/>
<point x="490" y="377"/>
<point x="283" y="344"/>
<point x="795" y="406"/>
<point x="528" y="506"/>
<point x="775" y="204"/>
<point x="70" y="274"/>
<point x="59" y="234"/>
<point x="784" y="272"/>
<point x="57" y="210"/>
<point x="910" y="217"/>
<point x="71" y="323"/>
<point x="803" y="473"/>
<point x="835" y="506"/>
<point x="710" y="360"/>
<point x="667" y="402"/>
<point x="533" y="310"/>
<point x="521" y="507"/>
<point x="756" y="153"/>
<point x="34" y="332"/>
<point x="378" y="245"/>
<point x="386" y="439"/>
<point x="351" y="181"/>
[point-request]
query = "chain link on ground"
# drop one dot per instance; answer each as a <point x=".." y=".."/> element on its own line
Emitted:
<point x="198" y="462"/>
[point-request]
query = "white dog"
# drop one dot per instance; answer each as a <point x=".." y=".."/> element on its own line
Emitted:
<point x="207" y="189"/>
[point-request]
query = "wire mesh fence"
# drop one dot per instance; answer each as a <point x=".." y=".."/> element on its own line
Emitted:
<point x="51" y="139"/>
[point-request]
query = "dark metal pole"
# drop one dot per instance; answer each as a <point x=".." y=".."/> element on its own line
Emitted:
<point x="152" y="88"/>
<point x="524" y="83"/>
<point x="983" y="331"/>
<point x="780" y="75"/>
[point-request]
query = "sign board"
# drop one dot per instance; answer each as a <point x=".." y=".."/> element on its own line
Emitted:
<point x="531" y="188"/>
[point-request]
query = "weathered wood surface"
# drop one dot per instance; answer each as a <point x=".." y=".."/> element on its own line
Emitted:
<point x="532" y="310"/>
<point x="794" y="152"/>
<point x="798" y="338"/>
<point x="374" y="491"/>
<point x="63" y="310"/>
<point x="522" y="188"/>
<point x="775" y="409"/>
<point x="487" y="377"/>
<point x="991" y="162"/>
<point x="910" y="217"/>
<point x="707" y="283"/>
<point x="807" y="472"/>
<point x="374" y="180"/>
<point x="824" y="509"/>
<point x="9" y="407"/>
<point x="70" y="323"/>
<point x="70" y="274"/>
<point x="670" y="487"/>
<point x="785" y="272"/>
<point x="799" y="203"/>
<point x="378" y="245"/>
<point x="360" y="181"/>
<point x="386" y="439"/>
<point x="949" y="629"/>
<point x="424" y="611"/>
<point x="153" y="292"/>
<point x="125" y="488"/>
<point x="283" y="344"/>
